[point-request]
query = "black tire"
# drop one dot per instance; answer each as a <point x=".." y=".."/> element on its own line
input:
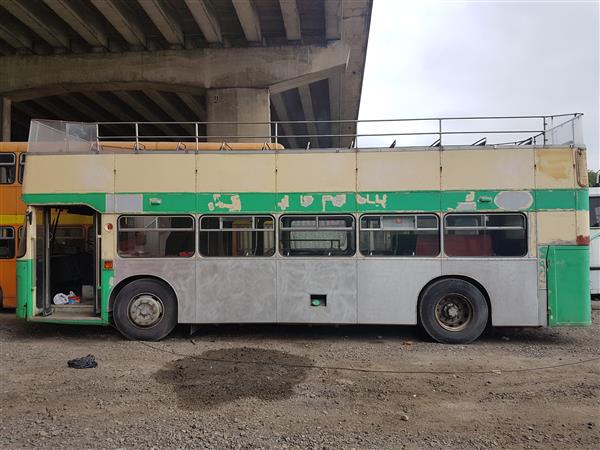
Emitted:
<point x="453" y="311"/>
<point x="137" y="298"/>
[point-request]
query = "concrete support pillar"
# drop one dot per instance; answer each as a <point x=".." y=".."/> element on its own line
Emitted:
<point x="238" y="105"/>
<point x="5" y="118"/>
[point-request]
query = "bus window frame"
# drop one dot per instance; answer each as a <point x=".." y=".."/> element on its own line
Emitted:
<point x="21" y="167"/>
<point x="120" y="254"/>
<point x="352" y="240"/>
<point x="253" y="228"/>
<point x="22" y="241"/>
<point x="13" y="165"/>
<point x="13" y="239"/>
<point x="382" y="227"/>
<point x="485" y="227"/>
<point x="595" y="199"/>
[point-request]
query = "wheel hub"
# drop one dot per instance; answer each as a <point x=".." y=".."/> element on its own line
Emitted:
<point x="145" y="310"/>
<point x="454" y="312"/>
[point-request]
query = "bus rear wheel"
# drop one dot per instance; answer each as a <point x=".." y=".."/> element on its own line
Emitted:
<point x="453" y="311"/>
<point x="145" y="310"/>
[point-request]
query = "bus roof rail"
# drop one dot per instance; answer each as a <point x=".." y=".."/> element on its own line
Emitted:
<point x="48" y="136"/>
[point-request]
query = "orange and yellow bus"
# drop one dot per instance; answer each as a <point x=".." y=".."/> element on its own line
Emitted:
<point x="12" y="209"/>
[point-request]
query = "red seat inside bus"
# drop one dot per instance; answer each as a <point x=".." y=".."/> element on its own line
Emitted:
<point x="468" y="245"/>
<point x="427" y="245"/>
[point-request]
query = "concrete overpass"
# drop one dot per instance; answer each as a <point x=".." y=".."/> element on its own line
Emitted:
<point x="184" y="60"/>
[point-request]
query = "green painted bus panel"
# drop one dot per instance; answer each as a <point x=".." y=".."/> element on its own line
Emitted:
<point x="246" y="202"/>
<point x="582" y="199"/>
<point x="106" y="283"/>
<point x="568" y="283"/>
<point x="96" y="200"/>
<point x="555" y="199"/>
<point x="24" y="287"/>
<point x="180" y="202"/>
<point x="325" y="202"/>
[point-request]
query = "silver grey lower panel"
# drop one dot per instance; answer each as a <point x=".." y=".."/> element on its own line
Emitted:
<point x="365" y="290"/>
<point x="236" y="290"/>
<point x="298" y="279"/>
<point x="179" y="273"/>
<point x="388" y="289"/>
<point x="510" y="283"/>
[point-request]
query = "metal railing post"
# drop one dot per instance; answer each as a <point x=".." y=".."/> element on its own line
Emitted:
<point x="97" y="138"/>
<point x="276" y="134"/>
<point x="196" y="128"/>
<point x="440" y="130"/>
<point x="137" y="138"/>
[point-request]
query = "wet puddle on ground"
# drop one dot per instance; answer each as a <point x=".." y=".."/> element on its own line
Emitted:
<point x="226" y="375"/>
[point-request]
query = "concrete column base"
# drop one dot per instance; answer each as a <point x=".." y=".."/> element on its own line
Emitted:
<point x="238" y="105"/>
<point x="5" y="118"/>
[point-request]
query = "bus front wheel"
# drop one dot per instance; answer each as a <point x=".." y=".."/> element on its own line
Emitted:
<point x="145" y="310"/>
<point x="453" y="311"/>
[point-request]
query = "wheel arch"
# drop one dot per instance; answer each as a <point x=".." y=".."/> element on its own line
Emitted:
<point x="124" y="282"/>
<point x="473" y="281"/>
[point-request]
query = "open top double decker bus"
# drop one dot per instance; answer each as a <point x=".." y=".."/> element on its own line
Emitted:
<point x="451" y="237"/>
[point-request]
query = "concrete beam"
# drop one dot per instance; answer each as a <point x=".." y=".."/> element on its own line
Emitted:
<point x="309" y="114"/>
<point x="27" y="77"/>
<point x="165" y="21"/>
<point x="122" y="21"/>
<point x="333" y="19"/>
<point x="5" y="118"/>
<point x="248" y="17"/>
<point x="46" y="26"/>
<point x="194" y="105"/>
<point x="356" y="21"/>
<point x="80" y="19"/>
<point x="206" y="20"/>
<point x="175" y="114"/>
<point x="109" y="106"/>
<point x="94" y="114"/>
<point x="238" y="105"/>
<point x="145" y="112"/>
<point x="291" y="19"/>
<point x="335" y="108"/>
<point x="14" y="37"/>
<point x="58" y="111"/>
<point x="282" y="115"/>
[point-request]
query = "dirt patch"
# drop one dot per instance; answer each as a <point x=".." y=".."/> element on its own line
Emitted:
<point x="227" y="375"/>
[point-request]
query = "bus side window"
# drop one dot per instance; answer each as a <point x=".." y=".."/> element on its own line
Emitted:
<point x="156" y="236"/>
<point x="594" y="212"/>
<point x="21" y="241"/>
<point x="317" y="235"/>
<point x="485" y="235"/>
<point x="237" y="236"/>
<point x="399" y="235"/>
<point x="21" y="167"/>
<point x="7" y="242"/>
<point x="8" y="168"/>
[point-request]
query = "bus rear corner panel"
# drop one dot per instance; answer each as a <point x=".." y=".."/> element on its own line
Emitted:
<point x="568" y="278"/>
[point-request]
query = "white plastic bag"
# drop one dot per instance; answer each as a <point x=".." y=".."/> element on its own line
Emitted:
<point x="60" y="299"/>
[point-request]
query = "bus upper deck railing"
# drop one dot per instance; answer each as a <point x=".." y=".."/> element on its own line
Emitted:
<point x="491" y="131"/>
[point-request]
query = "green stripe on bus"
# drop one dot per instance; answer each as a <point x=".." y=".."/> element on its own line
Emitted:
<point x="555" y="199"/>
<point x="328" y="202"/>
<point x="97" y="200"/>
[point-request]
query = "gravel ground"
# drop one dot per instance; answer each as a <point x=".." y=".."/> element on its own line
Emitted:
<point x="289" y="387"/>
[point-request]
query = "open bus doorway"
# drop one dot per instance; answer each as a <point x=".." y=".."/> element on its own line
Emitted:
<point x="67" y="262"/>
